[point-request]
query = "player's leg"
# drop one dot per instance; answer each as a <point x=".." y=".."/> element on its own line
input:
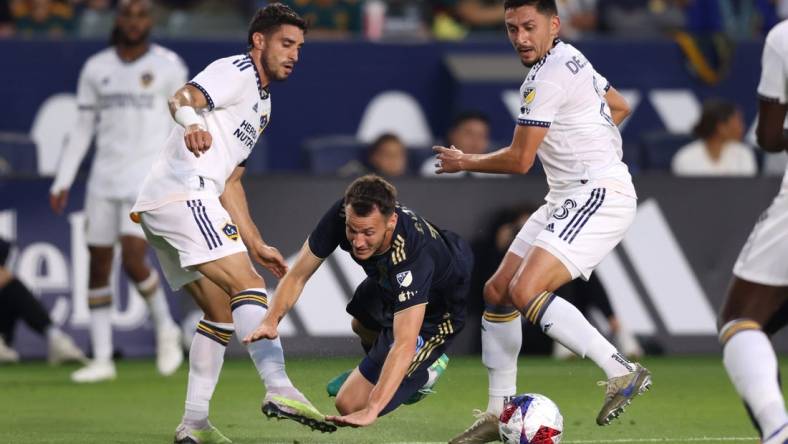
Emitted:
<point x="169" y="353"/>
<point x="748" y="355"/>
<point x="7" y="321"/>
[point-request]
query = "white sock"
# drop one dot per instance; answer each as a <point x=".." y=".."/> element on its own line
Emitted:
<point x="249" y="308"/>
<point x="206" y="357"/>
<point x="100" y="303"/>
<point x="751" y="364"/>
<point x="53" y="332"/>
<point x="502" y="337"/>
<point x="154" y="296"/>
<point x="564" y="323"/>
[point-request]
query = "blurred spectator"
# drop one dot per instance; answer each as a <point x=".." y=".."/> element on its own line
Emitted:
<point x="719" y="150"/>
<point x="453" y="19"/>
<point x="328" y="18"/>
<point x="405" y="19"/>
<point x="578" y="18"/>
<point x="736" y="18"/>
<point x="6" y="19"/>
<point x="387" y="156"/>
<point x="639" y="18"/>
<point x="43" y="17"/>
<point x="469" y="132"/>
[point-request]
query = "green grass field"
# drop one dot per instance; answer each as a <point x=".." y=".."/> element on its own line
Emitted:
<point x="691" y="401"/>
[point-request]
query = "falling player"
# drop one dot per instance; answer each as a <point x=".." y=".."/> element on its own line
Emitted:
<point x="568" y="118"/>
<point x="122" y="98"/>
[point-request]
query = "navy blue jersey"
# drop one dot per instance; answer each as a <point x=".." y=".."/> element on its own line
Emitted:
<point x="425" y="265"/>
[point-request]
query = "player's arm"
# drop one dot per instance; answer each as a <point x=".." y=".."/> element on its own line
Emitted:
<point x="619" y="108"/>
<point x="772" y="97"/>
<point x="233" y="199"/>
<point x="517" y="158"/>
<point x="183" y="108"/>
<point x="287" y="293"/>
<point x="771" y="120"/>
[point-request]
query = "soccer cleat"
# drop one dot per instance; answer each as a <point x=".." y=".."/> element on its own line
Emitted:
<point x="435" y="371"/>
<point x="169" y="354"/>
<point x="780" y="436"/>
<point x="289" y="403"/>
<point x="335" y="384"/>
<point x="95" y="371"/>
<point x="7" y="354"/>
<point x="620" y="392"/>
<point x="209" y="435"/>
<point x="484" y="429"/>
<point x="62" y="349"/>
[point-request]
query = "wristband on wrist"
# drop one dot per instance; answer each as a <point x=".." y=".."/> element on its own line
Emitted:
<point x="186" y="116"/>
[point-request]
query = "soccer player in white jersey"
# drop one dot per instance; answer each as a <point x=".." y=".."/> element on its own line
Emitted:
<point x="568" y="118"/>
<point x="122" y="98"/>
<point x="757" y="302"/>
<point x="193" y="210"/>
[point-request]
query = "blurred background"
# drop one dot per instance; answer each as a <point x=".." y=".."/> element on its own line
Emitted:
<point x="377" y="85"/>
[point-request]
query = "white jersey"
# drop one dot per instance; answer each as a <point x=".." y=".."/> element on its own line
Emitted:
<point x="130" y="119"/>
<point x="239" y="110"/>
<point x="774" y="71"/>
<point x="582" y="148"/>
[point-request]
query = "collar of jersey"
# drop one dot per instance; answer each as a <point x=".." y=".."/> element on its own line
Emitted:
<point x="263" y="91"/>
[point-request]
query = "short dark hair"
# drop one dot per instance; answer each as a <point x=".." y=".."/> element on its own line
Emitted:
<point x="546" y="7"/>
<point x="465" y="116"/>
<point x="380" y="140"/>
<point x="273" y="16"/>
<point x="714" y="112"/>
<point x="369" y="192"/>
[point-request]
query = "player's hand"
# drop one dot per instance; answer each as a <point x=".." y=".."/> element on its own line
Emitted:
<point x="197" y="139"/>
<point x="270" y="258"/>
<point x="265" y="330"/>
<point x="360" y="418"/>
<point x="58" y="201"/>
<point x="448" y="159"/>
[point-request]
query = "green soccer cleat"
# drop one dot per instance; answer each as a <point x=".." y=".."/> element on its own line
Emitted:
<point x="335" y="384"/>
<point x="281" y="406"/>
<point x="209" y="435"/>
<point x="621" y="391"/>
<point x="484" y="429"/>
<point x="435" y="371"/>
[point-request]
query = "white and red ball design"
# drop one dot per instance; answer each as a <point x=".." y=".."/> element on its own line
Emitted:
<point x="531" y="419"/>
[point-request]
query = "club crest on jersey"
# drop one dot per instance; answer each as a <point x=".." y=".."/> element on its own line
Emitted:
<point x="231" y="231"/>
<point x="263" y="122"/>
<point x="405" y="278"/>
<point x="146" y="79"/>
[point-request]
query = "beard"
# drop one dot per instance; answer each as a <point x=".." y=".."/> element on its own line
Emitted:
<point x="125" y="40"/>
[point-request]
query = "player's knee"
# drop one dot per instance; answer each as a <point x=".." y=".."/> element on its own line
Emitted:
<point x="495" y="293"/>
<point x="100" y="269"/>
<point x="343" y="405"/>
<point x="134" y="265"/>
<point x="736" y="326"/>
<point x="522" y="294"/>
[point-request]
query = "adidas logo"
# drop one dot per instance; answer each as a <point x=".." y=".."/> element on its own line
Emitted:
<point x="546" y="328"/>
<point x="550" y="227"/>
<point x="254" y="108"/>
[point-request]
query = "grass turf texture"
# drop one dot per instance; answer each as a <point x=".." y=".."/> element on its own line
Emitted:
<point x="691" y="401"/>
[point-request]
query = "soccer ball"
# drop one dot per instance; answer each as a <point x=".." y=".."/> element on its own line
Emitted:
<point x="531" y="419"/>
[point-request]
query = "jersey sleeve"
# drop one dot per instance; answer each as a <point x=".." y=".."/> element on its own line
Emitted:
<point x="221" y="82"/>
<point x="87" y="95"/>
<point x="601" y="83"/>
<point x="773" y="74"/>
<point x="411" y="282"/>
<point x="329" y="232"/>
<point x="539" y="103"/>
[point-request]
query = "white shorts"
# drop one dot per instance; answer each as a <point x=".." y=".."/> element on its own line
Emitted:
<point x="581" y="231"/>
<point x="189" y="233"/>
<point x="764" y="257"/>
<point x="108" y="220"/>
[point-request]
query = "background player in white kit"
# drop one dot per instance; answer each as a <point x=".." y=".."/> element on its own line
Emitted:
<point x="193" y="210"/>
<point x="757" y="303"/>
<point x="122" y="98"/>
<point x="568" y="118"/>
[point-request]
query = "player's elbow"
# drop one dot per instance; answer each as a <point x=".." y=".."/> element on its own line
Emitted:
<point x="770" y="141"/>
<point x="523" y="165"/>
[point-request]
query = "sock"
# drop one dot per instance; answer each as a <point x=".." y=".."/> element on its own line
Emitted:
<point x="206" y="357"/>
<point x="249" y="308"/>
<point x="502" y="336"/>
<point x="564" y="323"/>
<point x="751" y="364"/>
<point x="53" y="332"/>
<point x="100" y="303"/>
<point x="154" y="296"/>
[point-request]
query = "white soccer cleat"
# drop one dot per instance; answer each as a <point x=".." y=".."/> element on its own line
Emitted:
<point x="780" y="436"/>
<point x="169" y="354"/>
<point x="95" y="371"/>
<point x="62" y="349"/>
<point x="7" y="354"/>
